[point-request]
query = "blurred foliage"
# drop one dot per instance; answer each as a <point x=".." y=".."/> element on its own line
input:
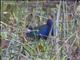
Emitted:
<point x="41" y="47"/>
<point x="16" y="11"/>
<point x="11" y="11"/>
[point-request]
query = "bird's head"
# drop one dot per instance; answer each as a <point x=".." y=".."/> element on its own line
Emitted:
<point x="50" y="20"/>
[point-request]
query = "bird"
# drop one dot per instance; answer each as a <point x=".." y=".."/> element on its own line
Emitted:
<point x="41" y="31"/>
<point x="45" y="29"/>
